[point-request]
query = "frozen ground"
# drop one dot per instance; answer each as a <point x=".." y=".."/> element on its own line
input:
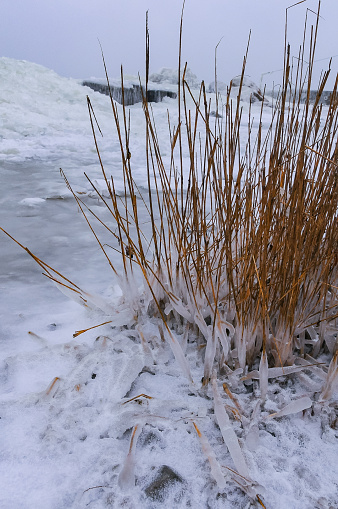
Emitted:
<point x="66" y="410"/>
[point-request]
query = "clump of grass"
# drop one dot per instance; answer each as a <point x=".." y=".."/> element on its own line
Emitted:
<point x="243" y="247"/>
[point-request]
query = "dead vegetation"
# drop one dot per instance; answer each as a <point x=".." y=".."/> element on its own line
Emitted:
<point x="243" y="246"/>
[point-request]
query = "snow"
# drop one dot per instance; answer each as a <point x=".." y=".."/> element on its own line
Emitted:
<point x="68" y="406"/>
<point x="170" y="76"/>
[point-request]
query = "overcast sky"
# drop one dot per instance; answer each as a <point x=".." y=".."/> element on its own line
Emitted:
<point x="63" y="35"/>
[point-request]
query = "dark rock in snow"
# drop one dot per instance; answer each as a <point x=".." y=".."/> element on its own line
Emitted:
<point x="166" y="478"/>
<point x="150" y="438"/>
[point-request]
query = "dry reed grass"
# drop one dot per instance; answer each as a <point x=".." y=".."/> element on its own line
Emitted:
<point x="243" y="253"/>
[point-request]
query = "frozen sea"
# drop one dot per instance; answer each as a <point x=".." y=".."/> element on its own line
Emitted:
<point x="64" y="430"/>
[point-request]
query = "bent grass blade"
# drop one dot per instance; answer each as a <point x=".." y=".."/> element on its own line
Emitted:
<point x="228" y="433"/>
<point x="215" y="467"/>
<point x="126" y="479"/>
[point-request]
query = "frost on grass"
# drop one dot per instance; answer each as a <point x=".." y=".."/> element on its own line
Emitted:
<point x="228" y="433"/>
<point x="263" y="375"/>
<point x="215" y="467"/>
<point x="294" y="407"/>
<point x="126" y="478"/>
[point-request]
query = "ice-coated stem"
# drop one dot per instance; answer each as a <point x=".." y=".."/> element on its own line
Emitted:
<point x="263" y="375"/>
<point x="126" y="478"/>
<point x="214" y="465"/>
<point x="295" y="406"/>
<point x="228" y="433"/>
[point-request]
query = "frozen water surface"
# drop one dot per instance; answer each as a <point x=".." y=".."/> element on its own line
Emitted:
<point x="66" y="406"/>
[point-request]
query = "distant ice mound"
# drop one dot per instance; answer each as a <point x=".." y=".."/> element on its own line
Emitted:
<point x="221" y="87"/>
<point x="167" y="75"/>
<point x="44" y="115"/>
<point x="246" y="82"/>
<point x="249" y="91"/>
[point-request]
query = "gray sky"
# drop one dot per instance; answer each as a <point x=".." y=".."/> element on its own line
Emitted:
<point x="63" y="35"/>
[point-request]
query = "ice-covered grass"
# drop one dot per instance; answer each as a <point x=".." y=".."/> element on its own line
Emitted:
<point x="240" y="240"/>
<point x="211" y="378"/>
